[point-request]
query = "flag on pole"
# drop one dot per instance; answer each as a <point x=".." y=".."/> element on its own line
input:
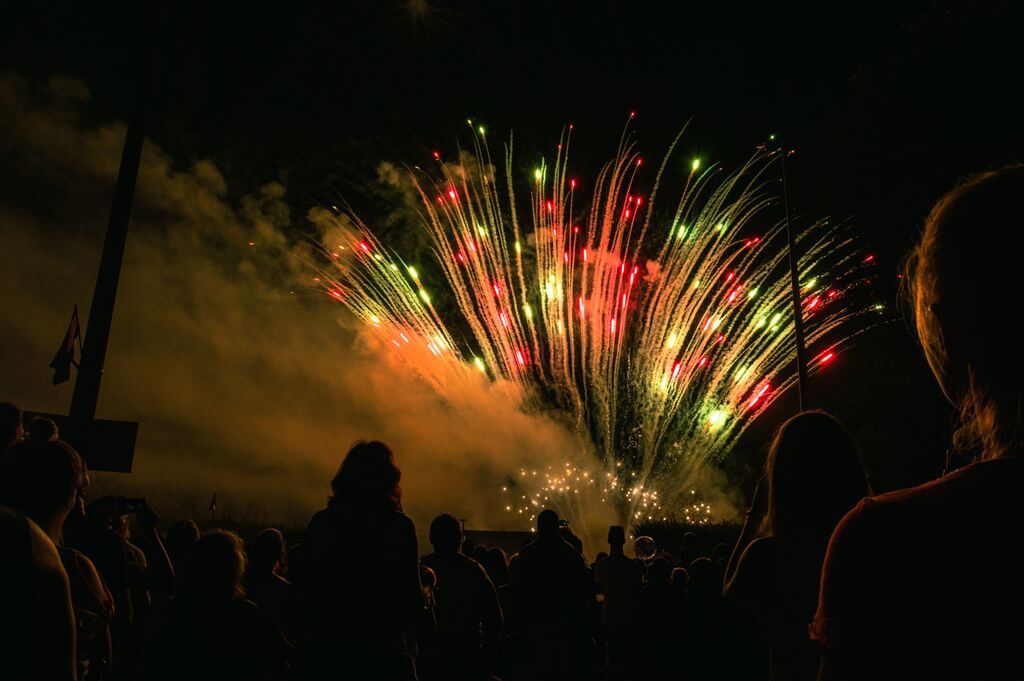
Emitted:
<point x="65" y="357"/>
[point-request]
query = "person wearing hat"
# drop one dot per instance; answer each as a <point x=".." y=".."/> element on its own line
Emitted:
<point x="619" y="579"/>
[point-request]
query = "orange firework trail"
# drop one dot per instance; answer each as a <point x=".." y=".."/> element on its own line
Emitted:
<point x="662" y="335"/>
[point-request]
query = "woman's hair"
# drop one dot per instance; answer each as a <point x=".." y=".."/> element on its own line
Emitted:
<point x="814" y="476"/>
<point x="180" y="538"/>
<point x="963" y="284"/>
<point x="497" y="566"/>
<point x="367" y="479"/>
<point x="41" y="477"/>
<point x="267" y="550"/>
<point x="43" y="429"/>
<point x="214" y="568"/>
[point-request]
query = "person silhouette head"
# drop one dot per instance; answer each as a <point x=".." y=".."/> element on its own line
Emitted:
<point x="570" y="537"/>
<point x="496" y="564"/>
<point x="616" y="539"/>
<point x="367" y="480"/>
<point x="659" y="570"/>
<point x="814" y="476"/>
<point x="43" y="429"/>
<point x="547" y="524"/>
<point x="45" y="481"/>
<point x="267" y="551"/>
<point x="616" y="535"/>
<point x="213" y="572"/>
<point x="446" y="534"/>
<point x="680" y="577"/>
<point x="11" y="427"/>
<point x="961" y="286"/>
<point x="181" y="538"/>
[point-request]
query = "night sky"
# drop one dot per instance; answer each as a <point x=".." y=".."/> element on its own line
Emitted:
<point x="887" y="105"/>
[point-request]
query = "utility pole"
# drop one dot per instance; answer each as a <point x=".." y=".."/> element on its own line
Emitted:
<point x="101" y="312"/>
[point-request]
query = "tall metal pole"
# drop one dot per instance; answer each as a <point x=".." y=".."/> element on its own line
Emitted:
<point x="794" y="281"/>
<point x="101" y="312"/>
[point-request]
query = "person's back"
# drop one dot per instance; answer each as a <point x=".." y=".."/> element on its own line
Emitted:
<point x="37" y="628"/>
<point x="93" y="538"/>
<point x="553" y="578"/>
<point x="45" y="481"/>
<point x="773" y="575"/>
<point x="888" y="576"/>
<point x="349" y="567"/>
<point x="356" y="576"/>
<point x="263" y="586"/>
<point x="462" y="586"/>
<point x="619" y="579"/>
<point x="659" y="622"/>
<point x="887" y="608"/>
<point x="657" y="605"/>
<point x="212" y="632"/>
<point x="469" y="618"/>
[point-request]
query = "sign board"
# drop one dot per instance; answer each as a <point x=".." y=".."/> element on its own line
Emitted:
<point x="105" y="445"/>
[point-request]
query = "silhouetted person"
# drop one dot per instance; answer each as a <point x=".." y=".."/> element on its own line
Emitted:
<point x="179" y="540"/>
<point x="886" y="608"/>
<point x="660" y="621"/>
<point x="690" y="551"/>
<point x="703" y="601"/>
<point x="90" y="533"/>
<point x="356" y="575"/>
<point x="479" y="554"/>
<point x="619" y="579"/>
<point x="43" y="429"/>
<point x="214" y="633"/>
<point x="813" y="477"/>
<point x="149" y="577"/>
<point x="512" y="655"/>
<point x="37" y="624"/>
<point x="263" y="585"/>
<point x="44" y="480"/>
<point x="555" y="593"/>
<point x="469" y="619"/>
<point x="679" y="579"/>
<point x="566" y="533"/>
<point x="496" y="564"/>
<point x="11" y="426"/>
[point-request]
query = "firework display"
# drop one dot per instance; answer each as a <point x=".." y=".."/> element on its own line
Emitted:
<point x="659" y="331"/>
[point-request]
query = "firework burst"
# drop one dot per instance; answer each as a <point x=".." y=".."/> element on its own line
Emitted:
<point x="661" y="335"/>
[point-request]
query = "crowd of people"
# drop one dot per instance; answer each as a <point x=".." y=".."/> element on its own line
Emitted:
<point x="826" y="580"/>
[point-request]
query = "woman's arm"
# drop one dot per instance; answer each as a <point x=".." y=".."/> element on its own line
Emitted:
<point x="104" y="599"/>
<point x="744" y="593"/>
<point x="751" y="528"/>
<point x="53" y="620"/>
<point x="160" y="572"/>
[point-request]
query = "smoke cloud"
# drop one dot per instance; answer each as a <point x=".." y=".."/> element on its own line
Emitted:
<point x="245" y="380"/>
